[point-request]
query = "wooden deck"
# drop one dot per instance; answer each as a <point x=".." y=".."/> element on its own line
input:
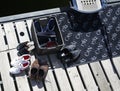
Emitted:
<point x="96" y="76"/>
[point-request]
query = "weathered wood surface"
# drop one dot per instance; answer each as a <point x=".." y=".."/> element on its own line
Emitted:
<point x="8" y="81"/>
<point x="112" y="77"/>
<point x="102" y="82"/>
<point x="117" y="64"/>
<point x="96" y="76"/>
<point x="75" y="79"/>
<point x="88" y="78"/>
<point x="10" y="35"/>
<point x="61" y="76"/>
<point x="3" y="45"/>
<point x="22" y="31"/>
<point x="21" y="80"/>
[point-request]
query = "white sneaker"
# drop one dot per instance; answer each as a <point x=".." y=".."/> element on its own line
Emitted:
<point x="23" y="65"/>
<point x="30" y="43"/>
<point x="30" y="46"/>
<point x="15" y="70"/>
<point x="21" y="60"/>
<point x="19" y="67"/>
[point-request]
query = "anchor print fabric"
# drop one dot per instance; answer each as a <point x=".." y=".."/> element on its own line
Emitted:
<point x="111" y="19"/>
<point x="86" y="31"/>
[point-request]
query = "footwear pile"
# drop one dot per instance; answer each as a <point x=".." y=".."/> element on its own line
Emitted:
<point x="19" y="64"/>
<point x="25" y="48"/>
<point x="68" y="54"/>
<point x="22" y="62"/>
<point x="38" y="71"/>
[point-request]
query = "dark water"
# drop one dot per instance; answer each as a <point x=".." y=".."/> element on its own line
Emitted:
<point x="11" y="7"/>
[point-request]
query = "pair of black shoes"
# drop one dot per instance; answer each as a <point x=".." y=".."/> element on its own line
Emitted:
<point x="68" y="54"/>
<point x="38" y="71"/>
<point x="25" y="48"/>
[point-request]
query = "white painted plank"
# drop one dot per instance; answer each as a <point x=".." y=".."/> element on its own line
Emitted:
<point x="114" y="80"/>
<point x="60" y="74"/>
<point x="50" y="80"/>
<point x="100" y="77"/>
<point x="3" y="46"/>
<point x="29" y="23"/>
<point x="88" y="78"/>
<point x="10" y="34"/>
<point x="7" y="80"/>
<point x="116" y="61"/>
<point x="21" y="27"/>
<point x="62" y="79"/>
<point x="0" y="88"/>
<point x="37" y="86"/>
<point x="21" y="79"/>
<point x="75" y="79"/>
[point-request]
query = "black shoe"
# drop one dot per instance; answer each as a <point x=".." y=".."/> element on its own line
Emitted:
<point x="22" y="45"/>
<point x="71" y="57"/>
<point x="34" y="69"/>
<point x="68" y="54"/>
<point x="69" y="48"/>
<point x="42" y="72"/>
<point x="38" y="71"/>
<point x="65" y="50"/>
<point x="25" y="48"/>
<point x="23" y="51"/>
